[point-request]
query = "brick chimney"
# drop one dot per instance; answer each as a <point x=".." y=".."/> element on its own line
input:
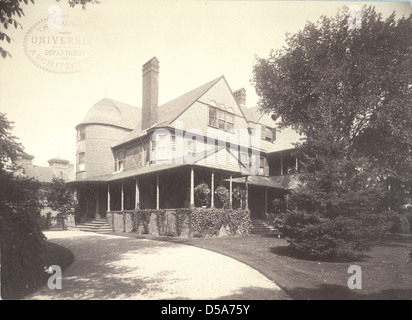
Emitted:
<point x="150" y="94"/>
<point x="240" y="97"/>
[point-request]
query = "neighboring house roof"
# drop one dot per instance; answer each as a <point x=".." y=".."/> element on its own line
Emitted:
<point x="114" y="113"/>
<point x="170" y="111"/>
<point x="26" y="156"/>
<point x="58" y="160"/>
<point x="43" y="174"/>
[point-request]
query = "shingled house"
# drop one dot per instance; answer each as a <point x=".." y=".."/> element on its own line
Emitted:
<point x="154" y="156"/>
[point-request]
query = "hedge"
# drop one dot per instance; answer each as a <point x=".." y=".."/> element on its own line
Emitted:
<point x="201" y="222"/>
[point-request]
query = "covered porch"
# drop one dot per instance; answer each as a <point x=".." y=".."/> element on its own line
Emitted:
<point x="161" y="187"/>
<point x="266" y="196"/>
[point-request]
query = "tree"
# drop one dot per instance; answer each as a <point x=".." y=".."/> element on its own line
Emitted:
<point x="363" y="76"/>
<point x="61" y="199"/>
<point x="10" y="9"/>
<point x="335" y="211"/>
<point x="22" y="242"/>
<point x="348" y="92"/>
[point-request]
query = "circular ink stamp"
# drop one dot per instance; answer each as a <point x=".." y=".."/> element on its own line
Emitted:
<point x="59" y="45"/>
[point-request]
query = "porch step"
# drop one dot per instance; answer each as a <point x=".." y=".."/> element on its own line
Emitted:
<point x="261" y="227"/>
<point x="98" y="225"/>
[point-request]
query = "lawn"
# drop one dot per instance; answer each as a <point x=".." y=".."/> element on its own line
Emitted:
<point x="386" y="270"/>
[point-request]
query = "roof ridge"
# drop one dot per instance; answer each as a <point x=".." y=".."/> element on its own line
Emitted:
<point x="111" y="101"/>
<point x="175" y="115"/>
<point x="208" y="86"/>
<point x="197" y="88"/>
<point x="117" y="101"/>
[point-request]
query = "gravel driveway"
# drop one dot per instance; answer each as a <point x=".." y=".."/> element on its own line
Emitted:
<point x="116" y="267"/>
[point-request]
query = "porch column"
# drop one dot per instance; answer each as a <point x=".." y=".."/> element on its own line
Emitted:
<point x="157" y="193"/>
<point x="296" y="165"/>
<point x="247" y="194"/>
<point x="108" y="197"/>
<point x="281" y="164"/>
<point x="122" y="199"/>
<point x="192" y="188"/>
<point x="266" y="200"/>
<point x="230" y="192"/>
<point x="97" y="201"/>
<point x="137" y="198"/>
<point x="212" y="186"/>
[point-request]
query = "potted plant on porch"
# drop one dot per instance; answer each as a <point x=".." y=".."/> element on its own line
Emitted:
<point x="202" y="194"/>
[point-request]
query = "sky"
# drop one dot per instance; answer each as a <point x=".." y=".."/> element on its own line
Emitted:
<point x="195" y="42"/>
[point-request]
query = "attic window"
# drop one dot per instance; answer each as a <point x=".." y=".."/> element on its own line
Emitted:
<point x="221" y="118"/>
<point x="212" y="117"/>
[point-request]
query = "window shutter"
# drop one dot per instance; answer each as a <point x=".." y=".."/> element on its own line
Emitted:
<point x="273" y="134"/>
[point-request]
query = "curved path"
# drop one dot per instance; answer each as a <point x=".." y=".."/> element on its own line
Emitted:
<point x="116" y="267"/>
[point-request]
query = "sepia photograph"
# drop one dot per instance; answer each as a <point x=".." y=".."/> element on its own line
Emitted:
<point x="205" y="155"/>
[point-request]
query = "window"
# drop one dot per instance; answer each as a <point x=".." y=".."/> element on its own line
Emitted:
<point x="160" y="147"/>
<point x="220" y="118"/>
<point x="221" y="115"/>
<point x="191" y="147"/>
<point x="81" y="134"/>
<point x="261" y="162"/>
<point x="245" y="158"/>
<point x="268" y="134"/>
<point x="119" y="160"/>
<point x="230" y="119"/>
<point x="212" y="117"/>
<point x="81" y="164"/>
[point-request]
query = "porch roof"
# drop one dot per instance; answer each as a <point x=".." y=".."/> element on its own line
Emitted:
<point x="136" y="171"/>
<point x="279" y="182"/>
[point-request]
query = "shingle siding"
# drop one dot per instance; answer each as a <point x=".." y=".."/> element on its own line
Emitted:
<point x="99" y="158"/>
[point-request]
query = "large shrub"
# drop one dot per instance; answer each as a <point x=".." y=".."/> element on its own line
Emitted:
<point x="343" y="237"/>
